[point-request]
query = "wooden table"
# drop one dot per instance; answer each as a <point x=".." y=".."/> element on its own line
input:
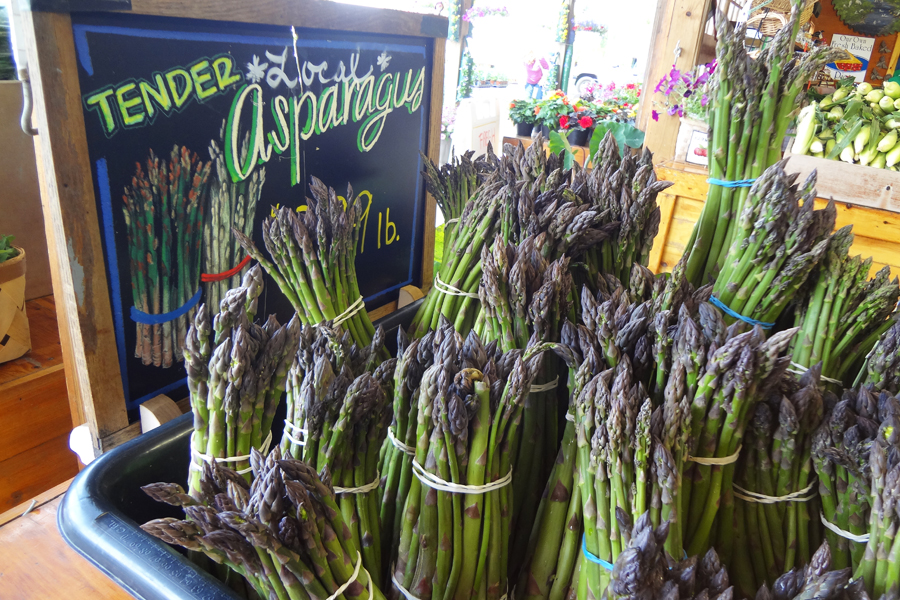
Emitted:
<point x="37" y="564"/>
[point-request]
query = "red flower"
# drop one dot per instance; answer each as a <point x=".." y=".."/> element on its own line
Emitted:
<point x="564" y="122"/>
<point x="585" y="122"/>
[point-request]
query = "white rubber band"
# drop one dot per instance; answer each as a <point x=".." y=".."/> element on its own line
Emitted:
<point x="406" y="593"/>
<point x="361" y="489"/>
<point x="570" y="417"/>
<point x="409" y="450"/>
<point x="862" y="538"/>
<point x="351" y="310"/>
<point x="798" y="496"/>
<point x="801" y="370"/>
<point x="450" y="290"/>
<point x="545" y="387"/>
<point x="448" y="221"/>
<point x="433" y="481"/>
<point x="337" y="593"/>
<point x="264" y="449"/>
<point x="290" y="426"/>
<point x="713" y="461"/>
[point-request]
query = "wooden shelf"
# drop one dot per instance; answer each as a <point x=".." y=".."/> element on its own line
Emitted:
<point x="34" y="413"/>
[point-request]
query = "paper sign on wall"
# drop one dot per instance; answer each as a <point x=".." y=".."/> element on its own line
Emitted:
<point x="855" y="63"/>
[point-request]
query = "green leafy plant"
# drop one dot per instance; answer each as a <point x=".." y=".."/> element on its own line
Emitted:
<point x="552" y="108"/>
<point x="522" y="111"/>
<point x="7" y="250"/>
<point x="625" y="134"/>
<point x="559" y="144"/>
<point x="7" y="68"/>
<point x="466" y="77"/>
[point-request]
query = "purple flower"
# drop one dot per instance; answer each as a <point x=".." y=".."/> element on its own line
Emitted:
<point x="680" y="112"/>
<point x="674" y="74"/>
<point x="660" y="84"/>
<point x="704" y="100"/>
<point x="672" y="110"/>
<point x="654" y="115"/>
<point x="702" y="78"/>
<point x="687" y="93"/>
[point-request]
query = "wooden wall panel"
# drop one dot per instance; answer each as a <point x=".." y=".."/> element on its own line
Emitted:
<point x="29" y="473"/>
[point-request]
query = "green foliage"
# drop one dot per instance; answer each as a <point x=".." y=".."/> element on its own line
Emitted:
<point x="466" y="77"/>
<point x="522" y="111"/>
<point x="438" y="246"/>
<point x="7" y="68"/>
<point x="625" y="134"/>
<point x="7" y="250"/>
<point x="559" y="144"/>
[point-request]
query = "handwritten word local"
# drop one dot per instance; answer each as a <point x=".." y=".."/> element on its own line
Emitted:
<point x="136" y="102"/>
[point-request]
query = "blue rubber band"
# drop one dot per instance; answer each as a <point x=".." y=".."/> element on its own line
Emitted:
<point x="146" y="319"/>
<point x="731" y="184"/>
<point x="594" y="559"/>
<point x="716" y="302"/>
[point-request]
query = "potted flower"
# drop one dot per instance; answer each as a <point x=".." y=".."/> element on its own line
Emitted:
<point x="14" y="333"/>
<point x="522" y="113"/>
<point x="685" y="96"/>
<point x="578" y="124"/>
<point x="550" y="110"/>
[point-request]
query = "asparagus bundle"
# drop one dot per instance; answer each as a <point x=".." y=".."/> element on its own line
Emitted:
<point x="840" y="453"/>
<point x="880" y="565"/>
<point x="841" y="315"/>
<point x="455" y="530"/>
<point x="163" y="209"/>
<point x="717" y="376"/>
<point x="313" y="254"/>
<point x="235" y="379"/>
<point x="776" y="244"/>
<point x="752" y="105"/>
<point x="614" y="330"/>
<point x="777" y="463"/>
<point x="414" y="357"/>
<point x="230" y="205"/>
<point x="285" y="533"/>
<point x="645" y="571"/>
<point x="882" y="369"/>
<point x="623" y="191"/>
<point x="526" y="193"/>
<point x="815" y="580"/>
<point x="338" y="398"/>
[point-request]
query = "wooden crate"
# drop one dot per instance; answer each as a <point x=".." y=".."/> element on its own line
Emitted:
<point x="876" y="230"/>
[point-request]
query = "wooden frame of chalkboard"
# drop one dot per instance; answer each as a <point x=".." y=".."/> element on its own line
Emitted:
<point x="81" y="228"/>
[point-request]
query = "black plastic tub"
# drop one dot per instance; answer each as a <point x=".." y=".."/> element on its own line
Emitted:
<point x="100" y="514"/>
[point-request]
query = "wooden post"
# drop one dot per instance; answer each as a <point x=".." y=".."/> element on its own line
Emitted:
<point x="678" y="24"/>
<point x="70" y="209"/>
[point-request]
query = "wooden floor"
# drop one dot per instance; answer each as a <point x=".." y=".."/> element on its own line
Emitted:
<point x="35" y="419"/>
<point x="37" y="564"/>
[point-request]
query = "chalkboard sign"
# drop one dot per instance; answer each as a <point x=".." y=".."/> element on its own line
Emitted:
<point x="193" y="127"/>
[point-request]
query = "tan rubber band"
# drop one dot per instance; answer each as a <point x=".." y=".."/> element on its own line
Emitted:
<point x="862" y="539"/>
<point x="337" y="593"/>
<point x="361" y="489"/>
<point x="433" y="481"/>
<point x="408" y="450"/>
<point x="450" y="290"/>
<point x="290" y="426"/>
<point x="713" y="461"/>
<point x="798" y="496"/>
<point x="264" y="449"/>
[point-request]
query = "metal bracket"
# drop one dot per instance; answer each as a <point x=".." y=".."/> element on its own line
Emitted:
<point x="27" y="102"/>
<point x="70" y="6"/>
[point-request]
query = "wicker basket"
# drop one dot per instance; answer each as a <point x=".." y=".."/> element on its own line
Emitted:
<point x="15" y="338"/>
<point x="768" y="23"/>
<point x="783" y="7"/>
